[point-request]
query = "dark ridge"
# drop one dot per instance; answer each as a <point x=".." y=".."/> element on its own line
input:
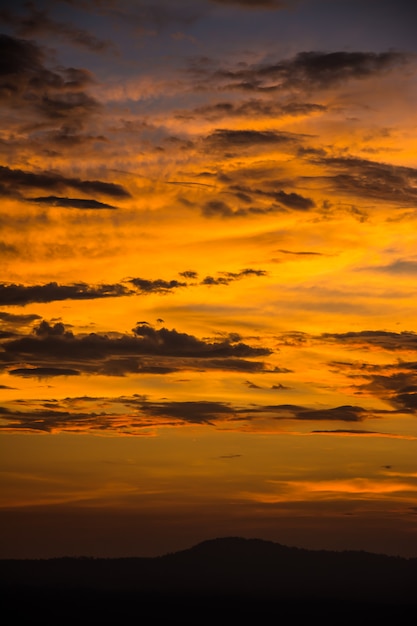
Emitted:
<point x="241" y="574"/>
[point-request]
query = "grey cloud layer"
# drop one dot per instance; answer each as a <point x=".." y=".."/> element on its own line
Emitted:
<point x="388" y="340"/>
<point x="50" y="106"/>
<point x="27" y="83"/>
<point x="394" y="383"/>
<point x="371" y="179"/>
<point x="136" y="413"/>
<point x="13" y="182"/>
<point x="12" y="294"/>
<point x="38" y="22"/>
<point x="146" y="350"/>
<point x="254" y="107"/>
<point x="305" y="71"/>
<point x="226" y="139"/>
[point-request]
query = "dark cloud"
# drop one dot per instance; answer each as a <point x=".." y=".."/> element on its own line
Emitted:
<point x="155" y="286"/>
<point x="371" y="179"/>
<point x="122" y="366"/>
<point x="226" y="139"/>
<point x="15" y="294"/>
<point x="407" y="400"/>
<point x="50" y="142"/>
<point x="312" y="69"/>
<point x="137" y="414"/>
<point x="132" y="414"/>
<point x="171" y="342"/>
<point x="346" y="431"/>
<point x="290" y="200"/>
<point x="394" y="383"/>
<point x="18" y="294"/>
<point x="189" y="274"/>
<point x="225" y="278"/>
<point x="73" y="203"/>
<point x="8" y="250"/>
<point x="21" y="66"/>
<point x="18" y="319"/>
<point x="302" y="108"/>
<point x="235" y="365"/>
<point x="400" y="266"/>
<point x="50" y="420"/>
<point x="252" y="385"/>
<point x="210" y="280"/>
<point x="11" y="325"/>
<point x="26" y="82"/>
<point x="146" y="350"/>
<point x="66" y="106"/>
<point x="38" y="22"/>
<point x="217" y="208"/>
<point x="387" y="340"/>
<point x="294" y="339"/>
<point x="55" y="98"/>
<point x="399" y="389"/>
<point x="66" y="137"/>
<point x="253" y="108"/>
<point x="14" y="181"/>
<point x="346" y="413"/>
<point x="322" y="69"/>
<point x="294" y="201"/>
<point x="200" y="412"/>
<point x="281" y="200"/>
<point x="43" y="372"/>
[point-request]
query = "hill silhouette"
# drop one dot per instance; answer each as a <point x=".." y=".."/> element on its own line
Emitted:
<point x="231" y="573"/>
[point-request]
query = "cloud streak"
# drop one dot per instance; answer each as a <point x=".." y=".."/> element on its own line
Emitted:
<point x="38" y="22"/>
<point x="384" y="339"/>
<point x="374" y="180"/>
<point x="12" y="294"/>
<point x="135" y="415"/>
<point x="15" y="181"/>
<point x="307" y="70"/>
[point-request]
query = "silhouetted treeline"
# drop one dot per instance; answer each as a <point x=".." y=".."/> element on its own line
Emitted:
<point x="241" y="574"/>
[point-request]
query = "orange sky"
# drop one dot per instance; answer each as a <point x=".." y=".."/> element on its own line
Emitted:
<point x="207" y="307"/>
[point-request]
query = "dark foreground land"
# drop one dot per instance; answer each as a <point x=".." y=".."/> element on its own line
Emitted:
<point x="221" y="579"/>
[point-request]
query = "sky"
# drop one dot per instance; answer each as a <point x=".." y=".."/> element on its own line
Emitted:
<point x="207" y="298"/>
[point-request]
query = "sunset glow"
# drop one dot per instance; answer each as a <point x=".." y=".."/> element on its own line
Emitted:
<point x="208" y="251"/>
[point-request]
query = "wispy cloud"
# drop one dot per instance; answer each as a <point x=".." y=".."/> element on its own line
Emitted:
<point x="14" y="181"/>
<point x="134" y="414"/>
<point x="305" y="71"/>
<point x="37" y="22"/>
